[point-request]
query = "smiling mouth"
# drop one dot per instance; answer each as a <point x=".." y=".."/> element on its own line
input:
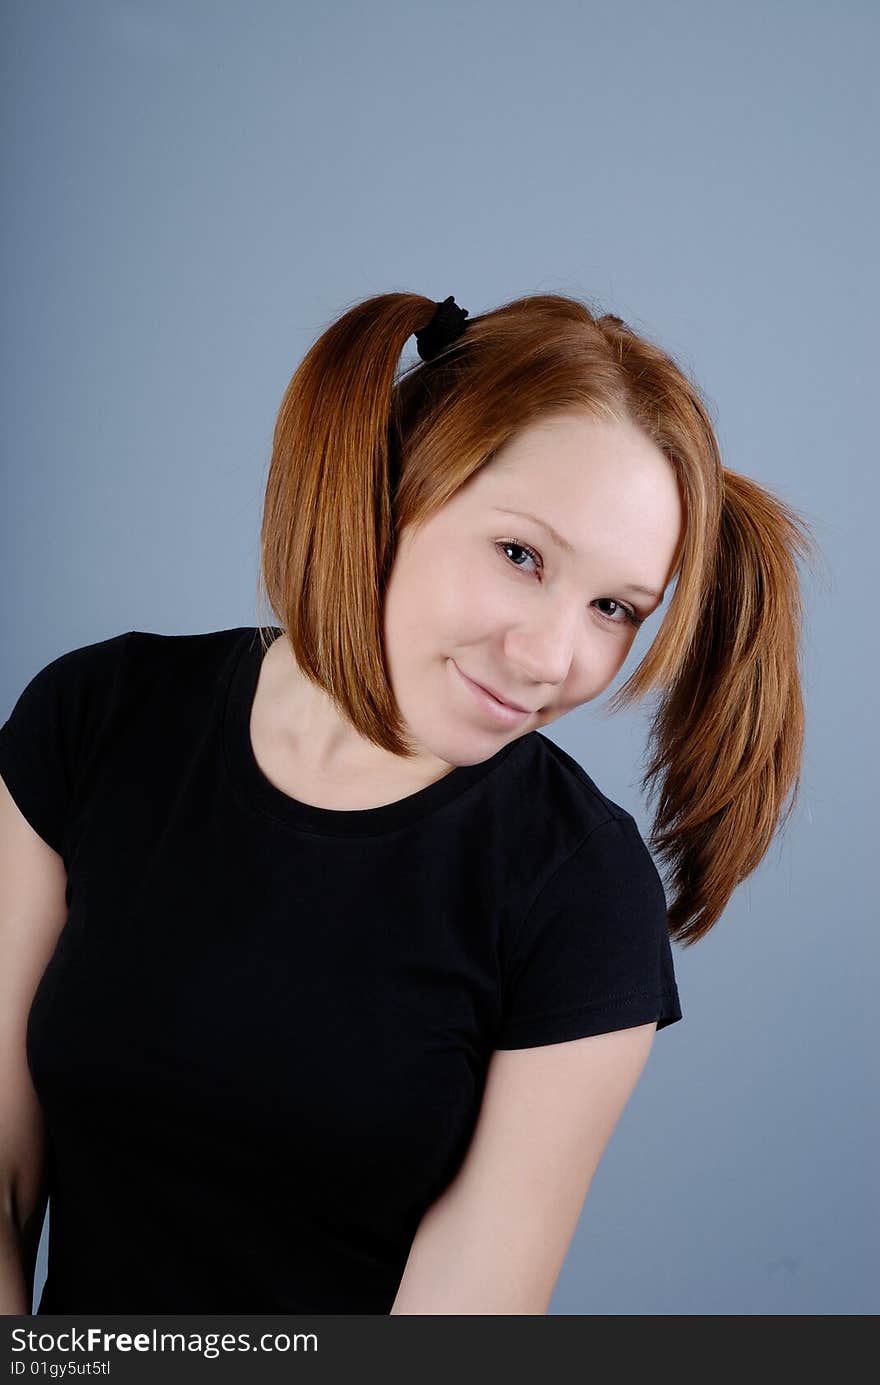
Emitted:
<point x="514" y="706"/>
<point x="508" y="711"/>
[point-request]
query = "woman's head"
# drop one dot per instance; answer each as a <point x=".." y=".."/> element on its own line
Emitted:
<point x="384" y="558"/>
<point x="365" y="456"/>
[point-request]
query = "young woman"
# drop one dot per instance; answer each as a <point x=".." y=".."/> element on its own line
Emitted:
<point x="326" y="975"/>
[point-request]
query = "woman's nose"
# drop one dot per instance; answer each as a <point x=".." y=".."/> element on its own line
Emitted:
<point x="543" y="651"/>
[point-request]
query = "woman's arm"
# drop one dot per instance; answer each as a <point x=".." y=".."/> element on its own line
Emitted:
<point x="33" y="911"/>
<point x="495" y="1240"/>
<point x="18" y="1258"/>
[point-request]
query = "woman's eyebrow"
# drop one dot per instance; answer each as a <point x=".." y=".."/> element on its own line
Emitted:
<point x="542" y="523"/>
<point x="569" y="548"/>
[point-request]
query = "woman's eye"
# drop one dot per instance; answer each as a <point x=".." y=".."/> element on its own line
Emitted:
<point x="629" y="616"/>
<point x="522" y="548"/>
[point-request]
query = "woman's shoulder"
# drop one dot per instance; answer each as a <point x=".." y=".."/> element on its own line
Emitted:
<point x="555" y="785"/>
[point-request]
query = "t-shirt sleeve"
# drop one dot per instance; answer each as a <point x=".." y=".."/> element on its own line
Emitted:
<point x="593" y="953"/>
<point x="48" y="733"/>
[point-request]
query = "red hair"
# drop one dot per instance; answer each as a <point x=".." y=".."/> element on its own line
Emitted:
<point x="361" y="450"/>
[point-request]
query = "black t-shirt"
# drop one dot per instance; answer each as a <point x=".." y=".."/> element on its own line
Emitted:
<point x="260" y="1044"/>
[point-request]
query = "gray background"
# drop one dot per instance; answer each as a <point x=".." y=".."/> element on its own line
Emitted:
<point x="194" y="190"/>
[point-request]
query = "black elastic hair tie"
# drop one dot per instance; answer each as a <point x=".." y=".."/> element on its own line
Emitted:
<point x="445" y="327"/>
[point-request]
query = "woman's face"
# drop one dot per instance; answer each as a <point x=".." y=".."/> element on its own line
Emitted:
<point x="481" y="592"/>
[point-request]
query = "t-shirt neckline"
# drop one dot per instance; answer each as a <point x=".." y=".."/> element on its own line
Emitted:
<point x="344" y="822"/>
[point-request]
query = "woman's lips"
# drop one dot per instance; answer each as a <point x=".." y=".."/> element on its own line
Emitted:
<point x="500" y="711"/>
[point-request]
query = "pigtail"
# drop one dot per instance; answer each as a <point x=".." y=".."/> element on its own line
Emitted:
<point x="327" y="540"/>
<point x="727" y="741"/>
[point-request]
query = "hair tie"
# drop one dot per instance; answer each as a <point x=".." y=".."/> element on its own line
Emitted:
<point x="445" y="327"/>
